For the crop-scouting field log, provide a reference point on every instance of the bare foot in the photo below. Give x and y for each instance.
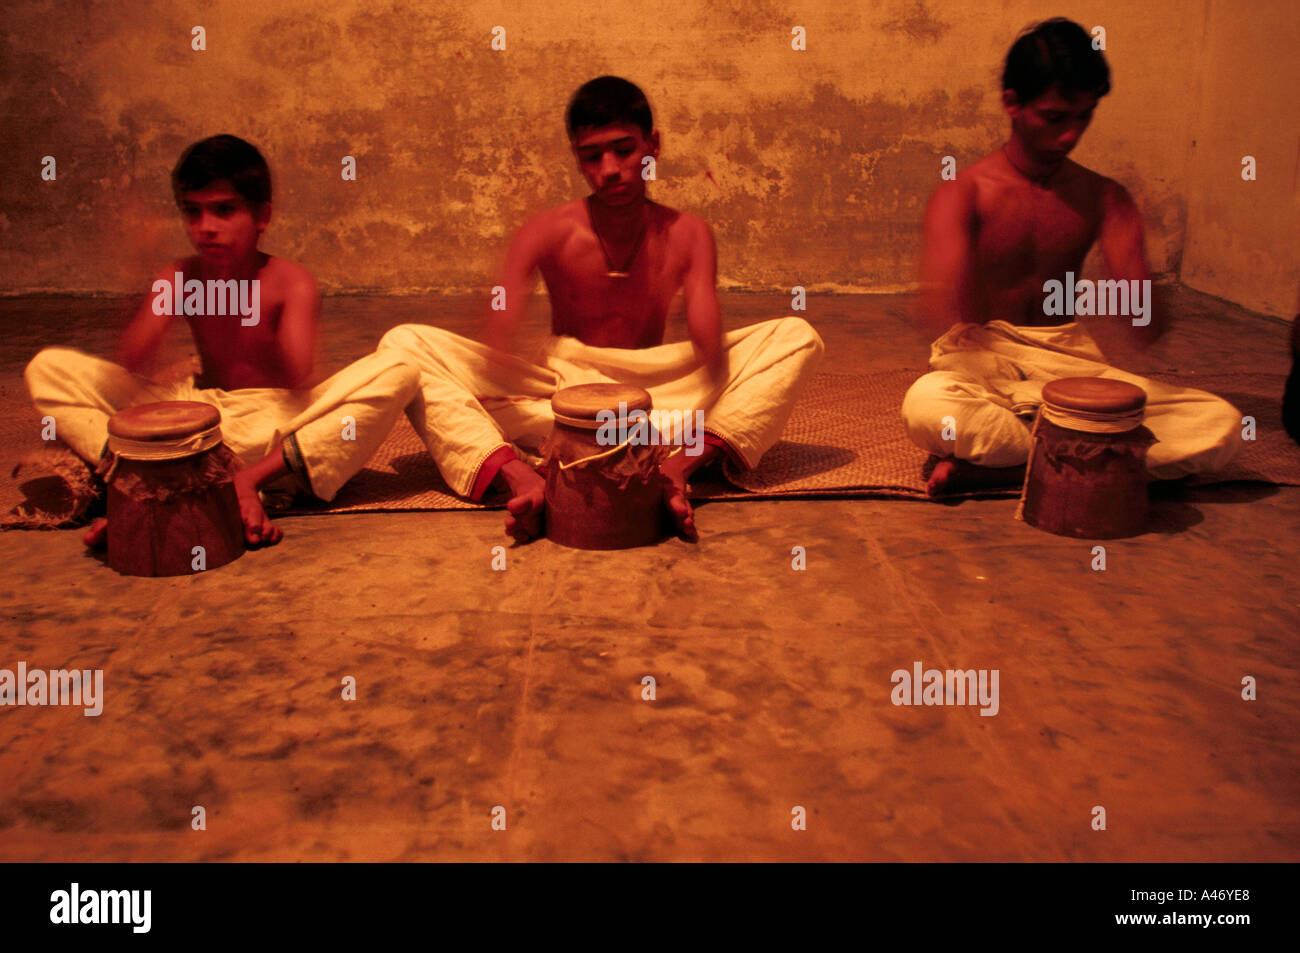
(527, 502)
(258, 529)
(97, 536)
(678, 504)
(676, 470)
(957, 476)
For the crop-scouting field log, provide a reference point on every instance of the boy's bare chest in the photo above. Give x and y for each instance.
(613, 293)
(1029, 229)
(225, 344)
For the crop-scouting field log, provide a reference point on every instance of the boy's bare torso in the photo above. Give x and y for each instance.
(604, 311)
(1023, 234)
(235, 355)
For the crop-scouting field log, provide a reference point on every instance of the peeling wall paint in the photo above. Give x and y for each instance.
(1243, 237)
(814, 167)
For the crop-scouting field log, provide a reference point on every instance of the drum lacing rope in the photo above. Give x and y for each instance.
(174, 448)
(583, 423)
(586, 423)
(606, 453)
(1092, 421)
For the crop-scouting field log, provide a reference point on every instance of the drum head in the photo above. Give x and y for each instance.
(585, 401)
(166, 420)
(1096, 395)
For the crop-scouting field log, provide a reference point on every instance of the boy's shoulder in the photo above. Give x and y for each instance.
(287, 276)
(989, 175)
(1094, 183)
(274, 271)
(549, 233)
(550, 221)
(990, 170)
(688, 222)
(187, 267)
(559, 221)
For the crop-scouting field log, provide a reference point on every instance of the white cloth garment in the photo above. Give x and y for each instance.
(474, 402)
(338, 424)
(989, 380)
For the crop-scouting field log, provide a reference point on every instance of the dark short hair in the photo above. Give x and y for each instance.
(223, 157)
(1056, 52)
(604, 101)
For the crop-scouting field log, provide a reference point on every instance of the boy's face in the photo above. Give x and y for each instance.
(1050, 126)
(222, 226)
(610, 159)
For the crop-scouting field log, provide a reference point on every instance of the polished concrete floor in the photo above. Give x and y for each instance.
(520, 692)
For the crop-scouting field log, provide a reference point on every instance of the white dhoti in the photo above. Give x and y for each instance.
(986, 382)
(337, 425)
(475, 404)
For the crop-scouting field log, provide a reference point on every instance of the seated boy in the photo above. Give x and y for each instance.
(995, 240)
(257, 350)
(612, 263)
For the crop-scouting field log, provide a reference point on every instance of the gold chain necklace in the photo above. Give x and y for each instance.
(611, 271)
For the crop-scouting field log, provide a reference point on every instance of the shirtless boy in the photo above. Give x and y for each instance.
(994, 238)
(613, 263)
(257, 362)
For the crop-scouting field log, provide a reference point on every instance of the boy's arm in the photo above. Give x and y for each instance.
(1123, 252)
(522, 260)
(299, 320)
(700, 289)
(140, 340)
(947, 288)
